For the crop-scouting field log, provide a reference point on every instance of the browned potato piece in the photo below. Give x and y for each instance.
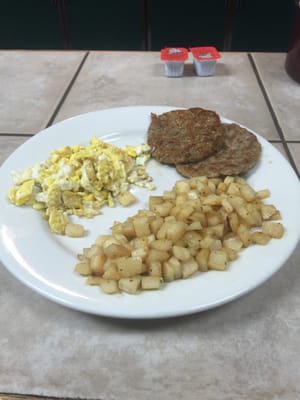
(109, 286)
(126, 199)
(83, 268)
(155, 269)
(202, 259)
(260, 238)
(141, 226)
(129, 266)
(74, 230)
(157, 255)
(97, 263)
(130, 285)
(217, 260)
(189, 267)
(94, 280)
(150, 282)
(112, 273)
(116, 250)
(274, 229)
(168, 272)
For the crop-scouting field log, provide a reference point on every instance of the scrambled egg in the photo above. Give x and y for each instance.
(80, 180)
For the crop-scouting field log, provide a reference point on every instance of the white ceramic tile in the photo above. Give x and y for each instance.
(110, 79)
(32, 84)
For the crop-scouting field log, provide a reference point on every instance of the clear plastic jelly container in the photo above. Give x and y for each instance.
(174, 58)
(205, 59)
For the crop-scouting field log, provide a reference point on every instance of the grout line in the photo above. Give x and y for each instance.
(40, 397)
(16, 134)
(67, 91)
(273, 115)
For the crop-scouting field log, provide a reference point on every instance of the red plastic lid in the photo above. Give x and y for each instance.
(205, 53)
(174, 54)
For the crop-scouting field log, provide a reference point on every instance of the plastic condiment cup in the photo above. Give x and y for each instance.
(205, 59)
(174, 58)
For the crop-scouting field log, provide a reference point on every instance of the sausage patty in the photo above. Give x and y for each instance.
(182, 136)
(240, 152)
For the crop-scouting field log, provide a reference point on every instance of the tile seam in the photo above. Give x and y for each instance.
(273, 114)
(67, 91)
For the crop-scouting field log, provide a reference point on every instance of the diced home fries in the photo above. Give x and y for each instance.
(200, 225)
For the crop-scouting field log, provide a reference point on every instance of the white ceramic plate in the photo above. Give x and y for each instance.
(45, 262)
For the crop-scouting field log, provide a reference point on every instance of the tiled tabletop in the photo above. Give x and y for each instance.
(247, 349)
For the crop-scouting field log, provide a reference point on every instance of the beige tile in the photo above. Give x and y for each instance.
(283, 92)
(32, 84)
(110, 79)
(8, 145)
(295, 151)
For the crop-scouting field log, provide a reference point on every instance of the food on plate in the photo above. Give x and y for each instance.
(240, 152)
(181, 136)
(201, 224)
(209, 147)
(79, 180)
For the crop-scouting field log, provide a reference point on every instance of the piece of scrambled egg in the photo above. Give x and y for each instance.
(80, 180)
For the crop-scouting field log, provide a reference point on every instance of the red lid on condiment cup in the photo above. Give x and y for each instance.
(174, 54)
(205, 53)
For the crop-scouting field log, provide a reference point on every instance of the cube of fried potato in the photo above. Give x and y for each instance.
(74, 230)
(267, 211)
(182, 186)
(151, 282)
(141, 226)
(130, 285)
(161, 244)
(233, 243)
(112, 273)
(233, 221)
(175, 264)
(184, 212)
(109, 286)
(260, 238)
(168, 272)
(175, 230)
(263, 194)
(212, 200)
(244, 234)
(83, 268)
(115, 250)
(155, 269)
(129, 266)
(126, 198)
(141, 252)
(97, 263)
(189, 267)
(231, 254)
(181, 253)
(157, 255)
(202, 259)
(126, 228)
(154, 200)
(94, 280)
(273, 229)
(248, 193)
(163, 209)
(156, 224)
(217, 260)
